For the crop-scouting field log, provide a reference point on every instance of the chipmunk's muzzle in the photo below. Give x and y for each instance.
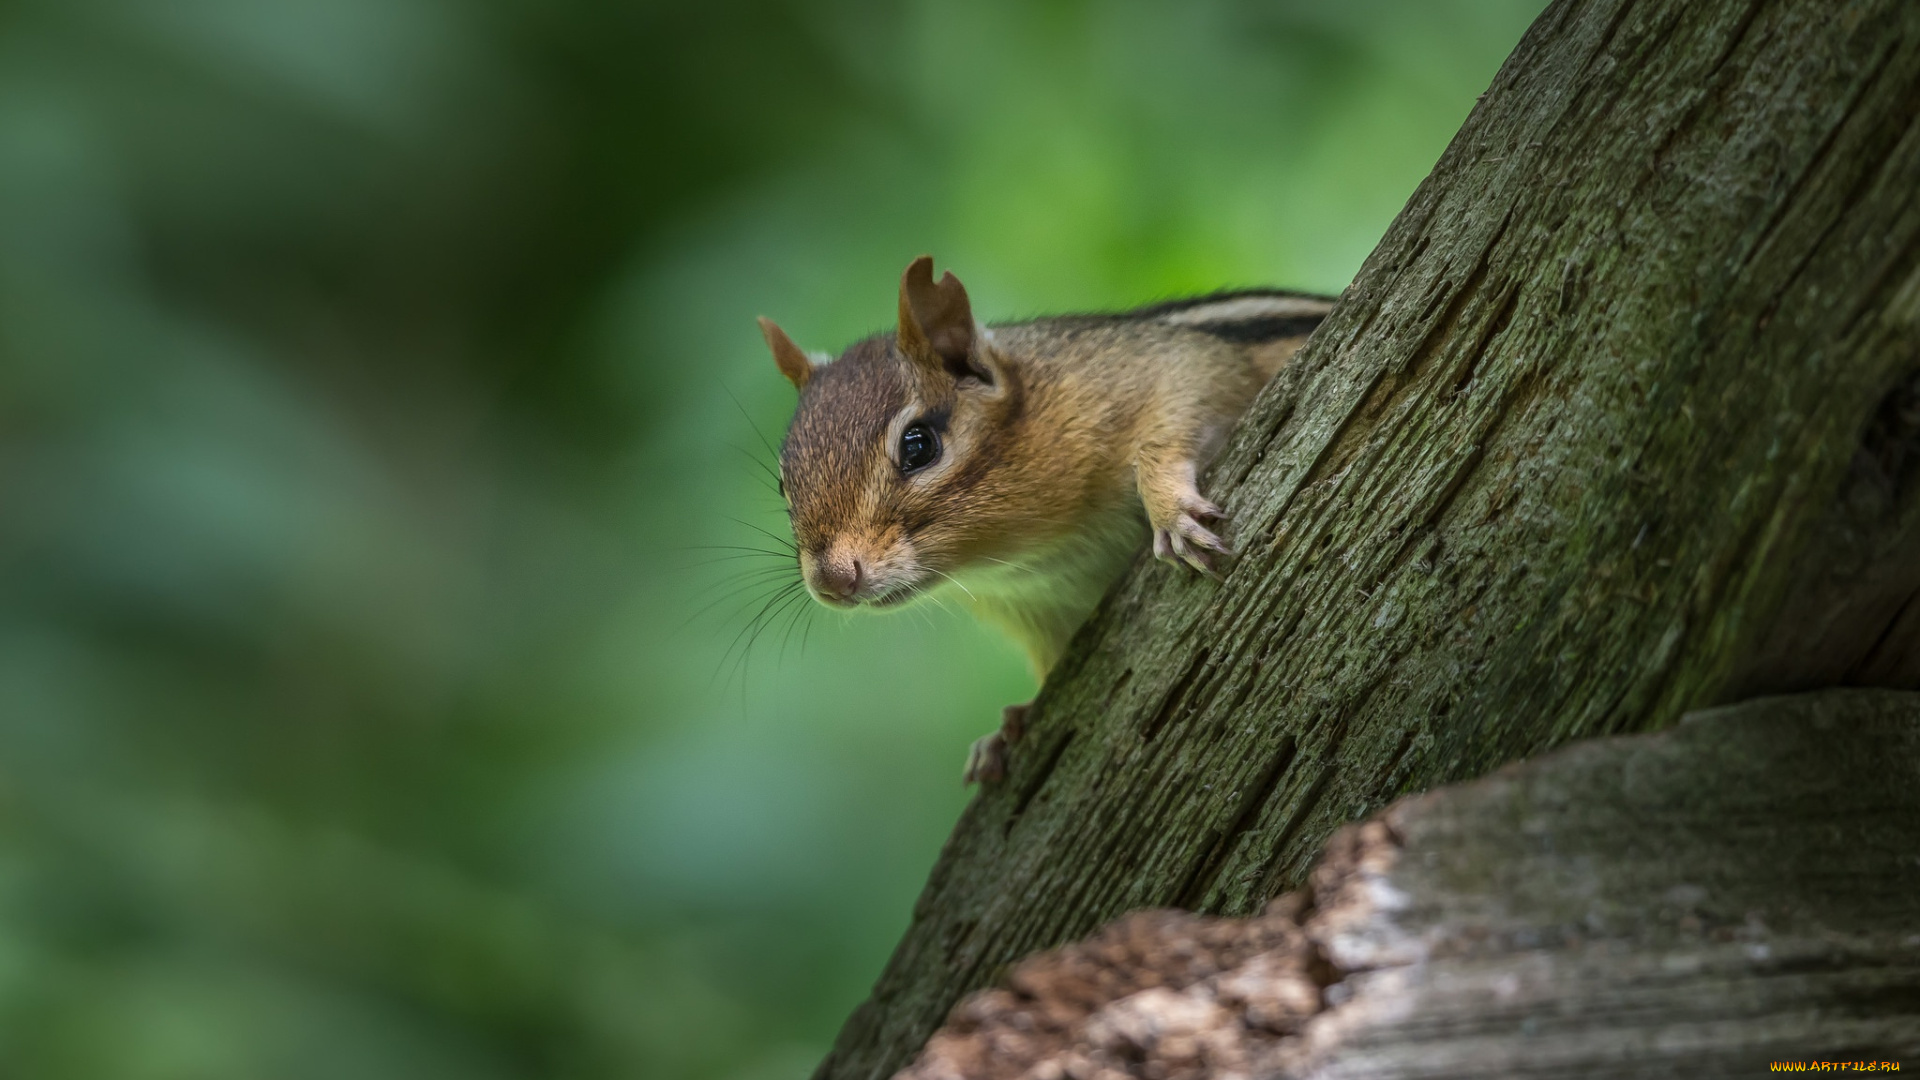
(845, 578)
(837, 583)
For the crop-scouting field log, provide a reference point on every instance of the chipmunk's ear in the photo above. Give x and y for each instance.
(793, 363)
(936, 321)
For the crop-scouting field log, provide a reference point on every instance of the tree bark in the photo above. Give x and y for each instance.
(1621, 419)
(1743, 888)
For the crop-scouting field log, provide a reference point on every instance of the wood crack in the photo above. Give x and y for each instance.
(1253, 801)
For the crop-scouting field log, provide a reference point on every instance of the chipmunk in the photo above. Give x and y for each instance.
(1023, 464)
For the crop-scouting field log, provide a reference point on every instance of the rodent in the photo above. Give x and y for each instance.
(1024, 464)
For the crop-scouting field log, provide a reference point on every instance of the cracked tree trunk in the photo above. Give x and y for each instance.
(1621, 419)
(1741, 889)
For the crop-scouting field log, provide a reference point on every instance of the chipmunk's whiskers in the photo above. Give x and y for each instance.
(1015, 565)
(957, 585)
(773, 536)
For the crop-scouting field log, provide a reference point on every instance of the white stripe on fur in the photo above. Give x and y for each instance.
(1247, 308)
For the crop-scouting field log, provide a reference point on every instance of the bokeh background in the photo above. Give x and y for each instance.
(380, 404)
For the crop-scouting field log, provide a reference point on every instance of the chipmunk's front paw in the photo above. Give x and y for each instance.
(987, 759)
(1176, 509)
(1182, 539)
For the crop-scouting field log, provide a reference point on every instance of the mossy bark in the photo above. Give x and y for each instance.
(1619, 420)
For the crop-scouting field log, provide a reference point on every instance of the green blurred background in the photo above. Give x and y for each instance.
(379, 393)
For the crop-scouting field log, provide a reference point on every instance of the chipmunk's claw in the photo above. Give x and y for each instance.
(1176, 509)
(1184, 541)
(987, 758)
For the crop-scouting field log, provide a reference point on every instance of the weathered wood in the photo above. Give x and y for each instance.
(1581, 449)
(1740, 890)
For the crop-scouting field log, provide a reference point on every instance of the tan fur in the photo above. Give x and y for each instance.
(1065, 444)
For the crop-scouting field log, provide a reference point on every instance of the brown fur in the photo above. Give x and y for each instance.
(1065, 443)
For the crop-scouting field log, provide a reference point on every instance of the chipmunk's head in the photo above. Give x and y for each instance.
(888, 465)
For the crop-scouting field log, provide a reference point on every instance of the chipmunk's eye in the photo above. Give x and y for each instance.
(919, 448)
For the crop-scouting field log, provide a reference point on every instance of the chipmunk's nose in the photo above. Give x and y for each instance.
(840, 580)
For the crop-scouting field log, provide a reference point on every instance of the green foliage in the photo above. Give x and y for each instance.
(378, 389)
